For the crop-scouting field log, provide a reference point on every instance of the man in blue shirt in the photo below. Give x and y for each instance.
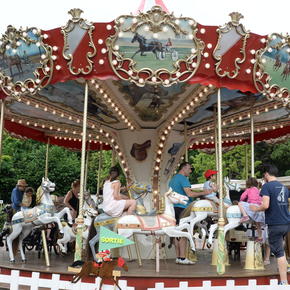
(17, 194)
(180, 184)
(275, 204)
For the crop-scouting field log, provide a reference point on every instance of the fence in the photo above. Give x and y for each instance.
(15, 281)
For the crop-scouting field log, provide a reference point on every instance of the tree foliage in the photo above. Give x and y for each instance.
(26, 159)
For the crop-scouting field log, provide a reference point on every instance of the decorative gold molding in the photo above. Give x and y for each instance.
(10, 43)
(80, 23)
(262, 79)
(233, 25)
(155, 21)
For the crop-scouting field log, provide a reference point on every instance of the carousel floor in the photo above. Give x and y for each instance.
(168, 268)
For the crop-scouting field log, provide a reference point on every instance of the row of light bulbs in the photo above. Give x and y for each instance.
(242, 132)
(179, 116)
(113, 105)
(232, 120)
(108, 136)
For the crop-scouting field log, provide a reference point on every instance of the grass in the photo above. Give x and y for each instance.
(150, 61)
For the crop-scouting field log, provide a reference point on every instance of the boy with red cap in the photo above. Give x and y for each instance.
(210, 176)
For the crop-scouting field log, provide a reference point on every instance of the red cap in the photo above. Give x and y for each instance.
(209, 173)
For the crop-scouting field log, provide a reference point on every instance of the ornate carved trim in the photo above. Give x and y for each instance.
(19, 51)
(277, 46)
(222, 31)
(160, 26)
(78, 23)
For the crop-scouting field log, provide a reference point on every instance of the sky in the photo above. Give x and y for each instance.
(260, 16)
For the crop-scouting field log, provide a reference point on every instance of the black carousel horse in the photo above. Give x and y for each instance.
(153, 46)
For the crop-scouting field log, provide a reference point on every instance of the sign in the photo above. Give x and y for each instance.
(110, 240)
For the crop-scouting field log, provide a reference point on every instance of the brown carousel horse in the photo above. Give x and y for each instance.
(277, 63)
(286, 71)
(103, 270)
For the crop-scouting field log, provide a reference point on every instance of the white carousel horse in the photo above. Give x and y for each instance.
(233, 215)
(69, 233)
(24, 221)
(157, 224)
(201, 209)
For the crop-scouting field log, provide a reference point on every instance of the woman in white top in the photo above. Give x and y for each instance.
(115, 203)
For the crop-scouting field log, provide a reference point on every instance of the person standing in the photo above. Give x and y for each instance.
(17, 194)
(275, 204)
(180, 184)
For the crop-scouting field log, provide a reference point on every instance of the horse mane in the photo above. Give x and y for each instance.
(186, 212)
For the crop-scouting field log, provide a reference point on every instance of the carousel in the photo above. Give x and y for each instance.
(150, 87)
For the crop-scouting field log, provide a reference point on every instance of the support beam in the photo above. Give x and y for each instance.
(99, 170)
(80, 219)
(2, 104)
(186, 141)
(252, 146)
(46, 158)
(43, 232)
(221, 220)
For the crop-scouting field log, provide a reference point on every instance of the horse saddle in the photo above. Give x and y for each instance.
(104, 219)
(29, 215)
(157, 222)
(139, 151)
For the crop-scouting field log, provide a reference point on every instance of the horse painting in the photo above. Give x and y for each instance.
(103, 270)
(153, 46)
(286, 71)
(277, 63)
(14, 60)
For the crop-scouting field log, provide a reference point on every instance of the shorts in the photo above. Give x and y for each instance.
(178, 212)
(276, 236)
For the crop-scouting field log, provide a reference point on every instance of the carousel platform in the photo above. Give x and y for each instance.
(145, 277)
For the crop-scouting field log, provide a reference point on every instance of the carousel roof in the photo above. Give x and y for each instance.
(172, 82)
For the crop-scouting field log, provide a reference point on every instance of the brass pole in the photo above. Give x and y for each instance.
(216, 144)
(1, 126)
(80, 219)
(247, 162)
(45, 248)
(46, 158)
(99, 170)
(86, 168)
(113, 158)
(252, 146)
(221, 221)
(186, 141)
(43, 233)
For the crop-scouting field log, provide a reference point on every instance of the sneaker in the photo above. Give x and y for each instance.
(177, 261)
(244, 219)
(186, 262)
(267, 262)
(282, 283)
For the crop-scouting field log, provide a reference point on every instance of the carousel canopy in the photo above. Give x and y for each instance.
(149, 71)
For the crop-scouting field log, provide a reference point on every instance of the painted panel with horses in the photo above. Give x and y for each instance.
(150, 102)
(21, 62)
(277, 62)
(156, 50)
(71, 94)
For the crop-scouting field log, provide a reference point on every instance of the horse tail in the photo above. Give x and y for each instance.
(15, 245)
(92, 233)
(186, 212)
